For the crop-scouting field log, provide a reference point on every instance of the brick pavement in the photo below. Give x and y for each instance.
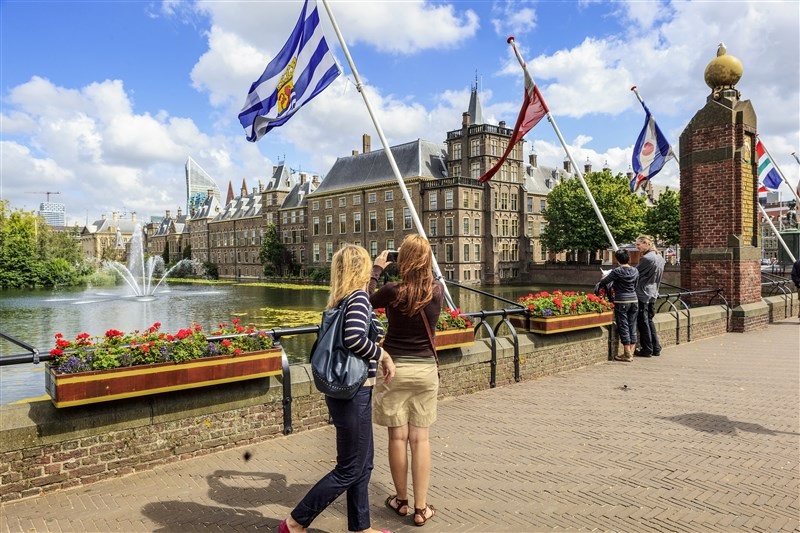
(704, 438)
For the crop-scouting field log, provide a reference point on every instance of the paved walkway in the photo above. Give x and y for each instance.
(704, 438)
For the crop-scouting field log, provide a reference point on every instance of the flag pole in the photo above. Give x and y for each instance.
(387, 149)
(641, 101)
(775, 231)
(572, 161)
(794, 154)
(794, 192)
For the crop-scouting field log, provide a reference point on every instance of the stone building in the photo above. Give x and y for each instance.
(197, 224)
(171, 234)
(235, 235)
(105, 238)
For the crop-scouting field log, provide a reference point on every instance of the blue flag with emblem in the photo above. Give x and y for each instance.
(650, 153)
(302, 69)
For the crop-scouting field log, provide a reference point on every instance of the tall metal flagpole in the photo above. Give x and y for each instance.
(572, 161)
(775, 231)
(386, 148)
(641, 101)
(794, 192)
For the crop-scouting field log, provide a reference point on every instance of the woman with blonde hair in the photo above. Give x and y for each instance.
(350, 274)
(407, 405)
(651, 268)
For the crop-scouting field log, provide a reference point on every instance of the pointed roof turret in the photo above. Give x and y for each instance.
(475, 113)
(230, 196)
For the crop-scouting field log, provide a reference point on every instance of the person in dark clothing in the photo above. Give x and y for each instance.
(407, 405)
(796, 277)
(623, 279)
(350, 272)
(651, 268)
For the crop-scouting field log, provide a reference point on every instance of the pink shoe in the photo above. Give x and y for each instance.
(283, 527)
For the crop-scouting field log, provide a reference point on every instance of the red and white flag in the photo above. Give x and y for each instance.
(533, 110)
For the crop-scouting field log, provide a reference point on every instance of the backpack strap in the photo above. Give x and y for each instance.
(430, 335)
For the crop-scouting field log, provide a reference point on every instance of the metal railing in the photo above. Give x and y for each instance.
(684, 309)
(773, 285)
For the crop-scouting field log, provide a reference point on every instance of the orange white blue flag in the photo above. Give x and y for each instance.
(302, 69)
(650, 153)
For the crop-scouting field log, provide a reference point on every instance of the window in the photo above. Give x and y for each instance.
(477, 227)
(357, 222)
(315, 206)
(372, 198)
(316, 252)
(457, 150)
(493, 147)
(544, 254)
(466, 226)
(475, 170)
(504, 172)
(342, 201)
(342, 223)
(455, 170)
(328, 224)
(466, 253)
(433, 227)
(373, 221)
(389, 219)
(373, 249)
(513, 201)
(433, 250)
(286, 240)
(406, 218)
(504, 252)
(315, 226)
(390, 244)
(529, 233)
(504, 201)
(475, 147)
(542, 205)
(515, 250)
(530, 204)
(329, 203)
(388, 196)
(448, 226)
(433, 201)
(329, 251)
(356, 199)
(465, 199)
(285, 217)
(515, 228)
(448, 199)
(448, 253)
(476, 200)
(294, 217)
(466, 275)
(514, 173)
(504, 226)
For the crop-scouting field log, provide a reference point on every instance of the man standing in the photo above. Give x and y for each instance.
(796, 277)
(651, 268)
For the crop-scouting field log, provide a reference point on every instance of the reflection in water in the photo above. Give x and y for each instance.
(36, 316)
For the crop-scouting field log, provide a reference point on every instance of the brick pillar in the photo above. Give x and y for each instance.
(719, 216)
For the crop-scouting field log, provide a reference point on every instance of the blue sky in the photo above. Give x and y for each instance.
(104, 101)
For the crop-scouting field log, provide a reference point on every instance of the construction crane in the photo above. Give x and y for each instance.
(48, 193)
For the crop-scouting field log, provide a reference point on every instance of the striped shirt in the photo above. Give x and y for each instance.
(359, 337)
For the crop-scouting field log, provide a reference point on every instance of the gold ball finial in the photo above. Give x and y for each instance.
(724, 71)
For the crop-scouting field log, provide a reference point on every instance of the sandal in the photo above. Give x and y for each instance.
(421, 514)
(400, 505)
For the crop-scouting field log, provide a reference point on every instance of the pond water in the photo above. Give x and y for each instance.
(35, 316)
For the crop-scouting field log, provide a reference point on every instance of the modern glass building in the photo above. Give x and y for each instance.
(54, 214)
(198, 183)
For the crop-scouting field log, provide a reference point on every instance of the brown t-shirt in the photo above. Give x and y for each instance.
(407, 336)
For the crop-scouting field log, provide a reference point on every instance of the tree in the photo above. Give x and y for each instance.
(572, 223)
(273, 252)
(18, 249)
(165, 254)
(663, 221)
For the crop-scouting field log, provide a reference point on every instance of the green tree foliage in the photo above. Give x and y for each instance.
(273, 252)
(572, 223)
(165, 254)
(663, 221)
(32, 254)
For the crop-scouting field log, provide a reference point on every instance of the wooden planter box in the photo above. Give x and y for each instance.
(559, 324)
(454, 338)
(67, 390)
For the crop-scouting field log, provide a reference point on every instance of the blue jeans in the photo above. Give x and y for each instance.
(625, 315)
(354, 456)
(648, 337)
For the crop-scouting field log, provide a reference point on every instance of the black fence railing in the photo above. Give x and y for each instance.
(774, 285)
(681, 303)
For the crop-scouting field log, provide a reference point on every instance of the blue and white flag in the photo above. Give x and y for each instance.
(300, 71)
(650, 153)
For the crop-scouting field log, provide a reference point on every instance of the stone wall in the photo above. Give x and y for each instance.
(44, 449)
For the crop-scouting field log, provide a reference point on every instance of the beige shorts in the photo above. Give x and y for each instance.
(410, 398)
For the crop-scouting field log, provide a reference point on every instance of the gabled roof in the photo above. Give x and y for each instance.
(246, 206)
(297, 196)
(208, 209)
(281, 179)
(126, 226)
(415, 159)
(541, 180)
(170, 225)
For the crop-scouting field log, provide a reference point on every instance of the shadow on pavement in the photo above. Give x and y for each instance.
(710, 423)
